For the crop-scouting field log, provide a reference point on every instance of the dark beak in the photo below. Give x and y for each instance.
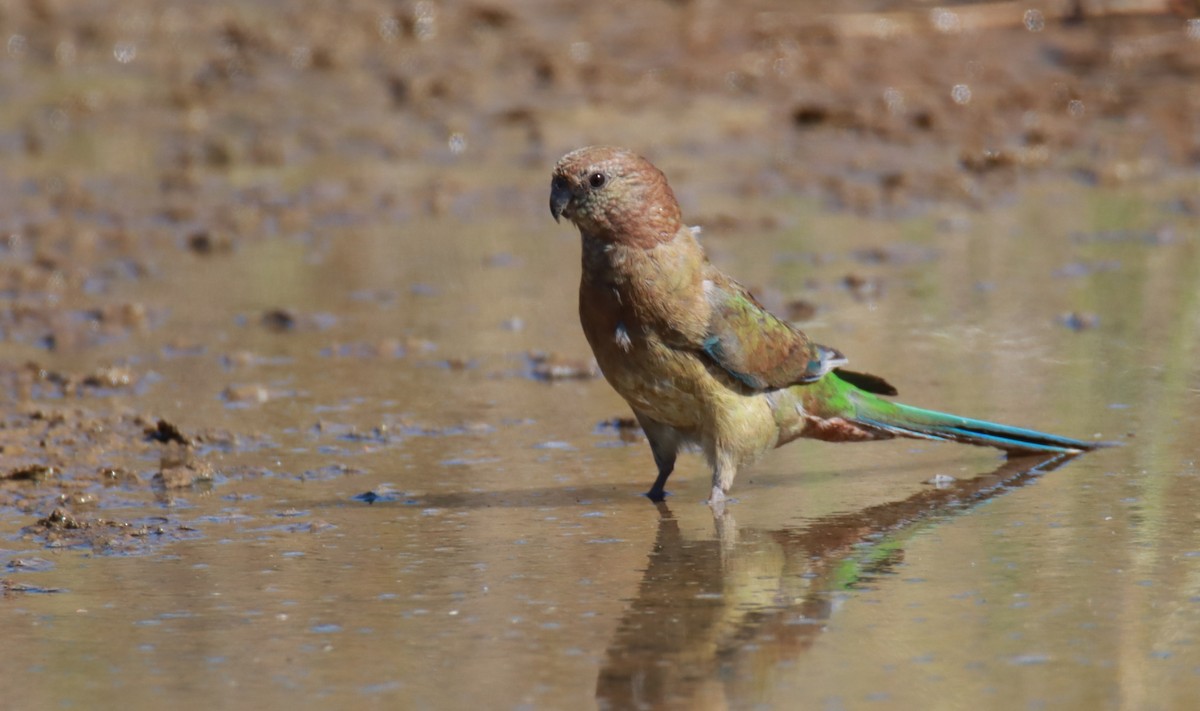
(560, 197)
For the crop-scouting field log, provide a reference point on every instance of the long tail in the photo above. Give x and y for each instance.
(834, 398)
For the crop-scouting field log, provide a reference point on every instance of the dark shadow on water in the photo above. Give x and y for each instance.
(714, 619)
(550, 496)
(581, 495)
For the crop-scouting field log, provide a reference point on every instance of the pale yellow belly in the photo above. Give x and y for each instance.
(669, 387)
(677, 389)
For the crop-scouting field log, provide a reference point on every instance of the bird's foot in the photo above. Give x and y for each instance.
(717, 500)
(656, 495)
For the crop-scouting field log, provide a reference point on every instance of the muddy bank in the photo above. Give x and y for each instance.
(868, 108)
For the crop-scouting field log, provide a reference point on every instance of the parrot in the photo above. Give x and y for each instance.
(699, 360)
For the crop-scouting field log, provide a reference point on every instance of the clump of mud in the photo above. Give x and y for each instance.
(68, 460)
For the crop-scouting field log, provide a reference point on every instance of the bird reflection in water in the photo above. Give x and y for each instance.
(705, 609)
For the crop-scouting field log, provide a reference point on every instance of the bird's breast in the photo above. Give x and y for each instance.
(663, 382)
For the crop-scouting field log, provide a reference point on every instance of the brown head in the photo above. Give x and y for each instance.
(614, 195)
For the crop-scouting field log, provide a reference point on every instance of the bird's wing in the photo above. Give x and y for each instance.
(759, 349)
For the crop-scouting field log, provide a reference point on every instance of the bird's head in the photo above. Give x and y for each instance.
(614, 195)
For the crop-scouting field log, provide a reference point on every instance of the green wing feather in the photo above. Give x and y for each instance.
(758, 348)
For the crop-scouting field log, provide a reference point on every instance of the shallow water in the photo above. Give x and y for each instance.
(508, 555)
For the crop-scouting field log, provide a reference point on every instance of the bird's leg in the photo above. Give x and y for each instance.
(664, 443)
(724, 469)
(716, 498)
(657, 492)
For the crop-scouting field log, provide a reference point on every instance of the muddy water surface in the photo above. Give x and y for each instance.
(297, 411)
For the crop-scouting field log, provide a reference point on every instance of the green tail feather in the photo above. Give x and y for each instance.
(863, 408)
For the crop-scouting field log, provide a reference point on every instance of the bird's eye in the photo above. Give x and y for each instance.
(596, 180)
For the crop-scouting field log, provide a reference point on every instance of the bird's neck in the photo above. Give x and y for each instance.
(600, 264)
(617, 263)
